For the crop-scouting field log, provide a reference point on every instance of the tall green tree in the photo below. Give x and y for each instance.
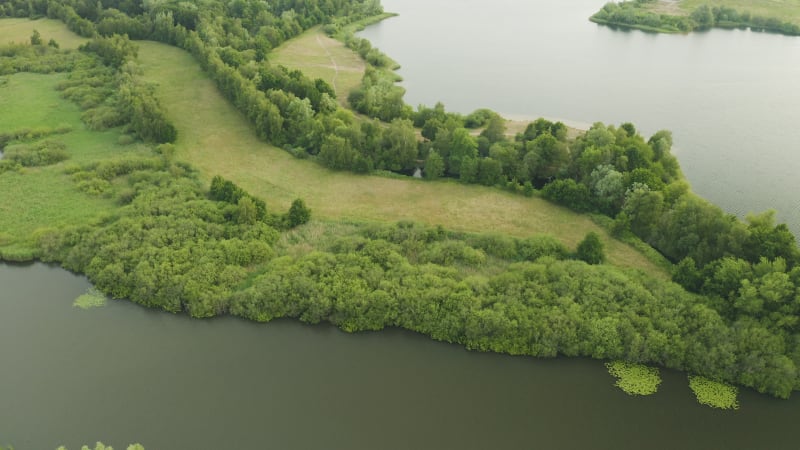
(462, 147)
(434, 165)
(590, 249)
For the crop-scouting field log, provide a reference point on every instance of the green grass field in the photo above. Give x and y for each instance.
(785, 10)
(218, 140)
(319, 56)
(20, 30)
(46, 197)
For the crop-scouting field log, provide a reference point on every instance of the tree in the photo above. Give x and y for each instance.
(36, 37)
(546, 157)
(703, 16)
(399, 146)
(569, 193)
(469, 170)
(462, 147)
(495, 130)
(687, 275)
(434, 166)
(644, 208)
(765, 239)
(490, 172)
(298, 213)
(246, 212)
(590, 249)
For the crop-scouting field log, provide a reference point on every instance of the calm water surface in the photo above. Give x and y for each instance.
(122, 374)
(730, 97)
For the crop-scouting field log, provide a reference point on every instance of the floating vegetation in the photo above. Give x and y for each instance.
(713, 393)
(91, 299)
(634, 379)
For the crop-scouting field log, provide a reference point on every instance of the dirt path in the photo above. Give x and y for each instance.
(333, 62)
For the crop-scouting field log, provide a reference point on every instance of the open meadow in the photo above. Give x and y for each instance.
(319, 56)
(785, 10)
(19, 31)
(38, 197)
(217, 139)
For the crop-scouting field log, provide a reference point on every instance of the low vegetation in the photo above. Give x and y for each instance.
(101, 446)
(91, 299)
(317, 55)
(214, 235)
(714, 393)
(634, 379)
(652, 15)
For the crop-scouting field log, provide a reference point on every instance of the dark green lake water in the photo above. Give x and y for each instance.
(730, 97)
(123, 374)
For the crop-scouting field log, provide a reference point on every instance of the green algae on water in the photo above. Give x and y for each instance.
(91, 299)
(714, 393)
(634, 379)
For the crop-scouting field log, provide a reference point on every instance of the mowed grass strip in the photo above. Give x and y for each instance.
(785, 10)
(214, 137)
(20, 30)
(319, 56)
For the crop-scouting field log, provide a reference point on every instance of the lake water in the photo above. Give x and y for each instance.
(730, 97)
(122, 373)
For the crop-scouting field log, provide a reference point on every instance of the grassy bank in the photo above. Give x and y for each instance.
(319, 56)
(216, 138)
(20, 30)
(36, 198)
(785, 10)
(665, 16)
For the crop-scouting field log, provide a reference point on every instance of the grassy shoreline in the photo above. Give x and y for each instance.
(218, 140)
(673, 17)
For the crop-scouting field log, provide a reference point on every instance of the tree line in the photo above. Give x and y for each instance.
(636, 14)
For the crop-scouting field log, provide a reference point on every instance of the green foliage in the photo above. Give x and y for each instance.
(434, 166)
(714, 393)
(590, 249)
(113, 51)
(91, 299)
(634, 379)
(380, 97)
(299, 213)
(568, 193)
(101, 446)
(171, 247)
(638, 14)
(43, 153)
(36, 38)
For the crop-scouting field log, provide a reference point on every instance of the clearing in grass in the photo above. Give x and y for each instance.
(319, 56)
(19, 31)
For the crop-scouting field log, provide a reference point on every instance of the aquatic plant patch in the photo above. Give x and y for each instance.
(634, 379)
(713, 393)
(91, 299)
